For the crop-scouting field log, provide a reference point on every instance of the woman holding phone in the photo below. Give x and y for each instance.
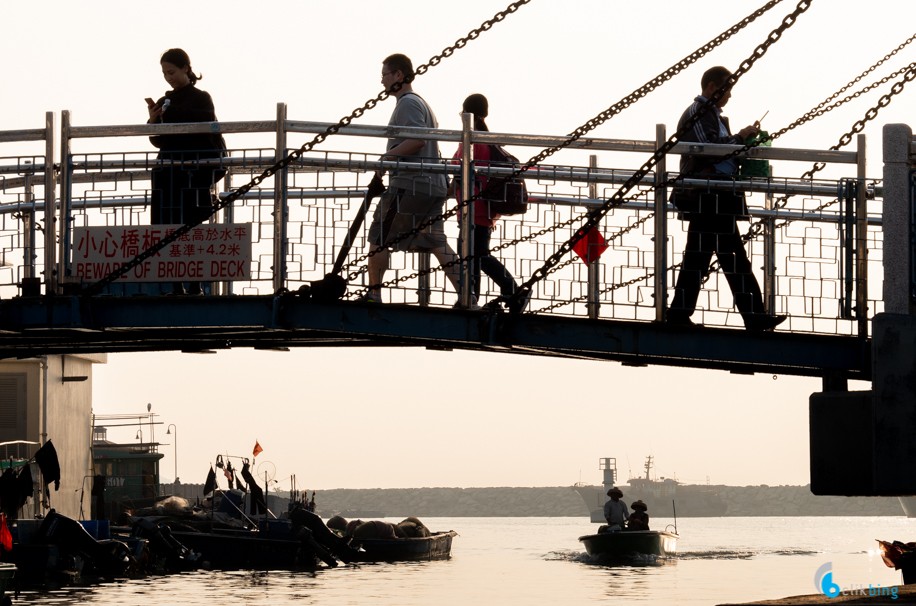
(181, 188)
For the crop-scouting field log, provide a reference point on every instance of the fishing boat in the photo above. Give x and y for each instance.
(227, 539)
(60, 551)
(437, 546)
(627, 544)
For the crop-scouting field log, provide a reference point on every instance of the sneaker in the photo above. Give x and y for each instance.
(472, 307)
(761, 322)
(369, 297)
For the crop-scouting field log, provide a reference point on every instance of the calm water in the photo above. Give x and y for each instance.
(533, 561)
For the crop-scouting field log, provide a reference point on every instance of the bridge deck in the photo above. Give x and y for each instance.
(47, 325)
(817, 245)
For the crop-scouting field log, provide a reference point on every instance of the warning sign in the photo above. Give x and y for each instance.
(207, 253)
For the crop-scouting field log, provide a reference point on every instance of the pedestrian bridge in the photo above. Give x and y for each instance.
(73, 211)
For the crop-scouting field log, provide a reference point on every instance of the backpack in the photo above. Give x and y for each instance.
(506, 195)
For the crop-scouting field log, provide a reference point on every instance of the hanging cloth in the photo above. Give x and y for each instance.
(46, 457)
(210, 484)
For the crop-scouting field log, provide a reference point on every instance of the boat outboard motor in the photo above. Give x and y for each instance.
(164, 544)
(108, 557)
(323, 535)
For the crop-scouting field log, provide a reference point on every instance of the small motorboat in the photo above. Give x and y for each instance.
(628, 544)
(437, 546)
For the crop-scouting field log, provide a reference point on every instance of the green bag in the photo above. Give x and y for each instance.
(752, 167)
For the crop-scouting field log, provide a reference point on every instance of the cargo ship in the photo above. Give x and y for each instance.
(664, 497)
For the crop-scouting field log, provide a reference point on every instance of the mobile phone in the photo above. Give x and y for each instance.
(150, 102)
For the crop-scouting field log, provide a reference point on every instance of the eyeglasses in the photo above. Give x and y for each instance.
(388, 73)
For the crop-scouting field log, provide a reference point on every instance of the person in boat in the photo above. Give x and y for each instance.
(181, 191)
(412, 196)
(639, 519)
(616, 512)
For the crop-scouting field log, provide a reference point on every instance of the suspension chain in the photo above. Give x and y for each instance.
(757, 227)
(617, 199)
(577, 134)
(296, 154)
(909, 73)
(855, 80)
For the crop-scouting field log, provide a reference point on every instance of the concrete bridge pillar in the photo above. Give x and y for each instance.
(864, 443)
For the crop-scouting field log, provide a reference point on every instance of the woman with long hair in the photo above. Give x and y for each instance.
(181, 187)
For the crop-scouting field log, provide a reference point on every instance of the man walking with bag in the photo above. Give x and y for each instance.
(712, 215)
(413, 196)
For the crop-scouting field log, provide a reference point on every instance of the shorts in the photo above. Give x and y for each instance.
(399, 212)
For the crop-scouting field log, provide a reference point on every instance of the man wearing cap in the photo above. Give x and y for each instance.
(615, 510)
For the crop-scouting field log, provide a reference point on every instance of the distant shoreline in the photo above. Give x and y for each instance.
(563, 501)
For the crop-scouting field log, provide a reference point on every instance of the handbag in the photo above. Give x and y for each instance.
(505, 195)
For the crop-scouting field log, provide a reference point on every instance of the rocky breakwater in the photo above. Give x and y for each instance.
(564, 501)
(798, 501)
(454, 502)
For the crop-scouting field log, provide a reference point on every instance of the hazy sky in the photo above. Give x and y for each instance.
(404, 418)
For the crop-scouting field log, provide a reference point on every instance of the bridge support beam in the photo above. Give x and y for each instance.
(862, 443)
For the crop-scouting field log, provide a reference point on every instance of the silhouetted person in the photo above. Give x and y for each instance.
(712, 215)
(484, 219)
(639, 519)
(181, 190)
(413, 196)
(615, 510)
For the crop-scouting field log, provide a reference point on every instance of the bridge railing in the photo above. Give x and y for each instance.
(813, 254)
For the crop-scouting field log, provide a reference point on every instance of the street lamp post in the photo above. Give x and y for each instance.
(168, 432)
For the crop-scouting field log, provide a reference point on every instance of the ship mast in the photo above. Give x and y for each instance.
(608, 465)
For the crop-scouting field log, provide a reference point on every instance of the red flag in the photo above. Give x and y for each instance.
(257, 449)
(591, 246)
(6, 539)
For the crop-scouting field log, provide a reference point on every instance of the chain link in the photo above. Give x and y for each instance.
(865, 73)
(595, 216)
(578, 133)
(909, 73)
(758, 227)
(296, 154)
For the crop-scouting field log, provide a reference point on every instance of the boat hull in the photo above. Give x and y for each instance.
(7, 572)
(437, 546)
(235, 550)
(630, 543)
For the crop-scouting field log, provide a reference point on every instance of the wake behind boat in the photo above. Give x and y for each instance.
(630, 544)
(627, 535)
